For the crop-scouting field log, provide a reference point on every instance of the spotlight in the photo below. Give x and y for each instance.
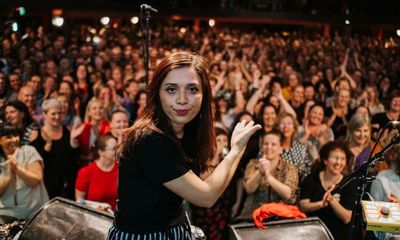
(211, 22)
(182, 30)
(105, 20)
(134, 20)
(398, 32)
(347, 21)
(57, 21)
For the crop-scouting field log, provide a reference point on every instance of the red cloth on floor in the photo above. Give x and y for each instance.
(275, 209)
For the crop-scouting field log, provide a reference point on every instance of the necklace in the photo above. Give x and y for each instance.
(329, 183)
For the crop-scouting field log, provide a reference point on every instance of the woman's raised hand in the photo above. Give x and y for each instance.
(242, 133)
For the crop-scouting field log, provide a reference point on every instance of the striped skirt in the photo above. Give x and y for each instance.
(179, 232)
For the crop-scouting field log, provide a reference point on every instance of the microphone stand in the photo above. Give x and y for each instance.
(145, 38)
(361, 174)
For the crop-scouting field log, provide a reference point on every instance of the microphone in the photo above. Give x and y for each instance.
(394, 124)
(148, 7)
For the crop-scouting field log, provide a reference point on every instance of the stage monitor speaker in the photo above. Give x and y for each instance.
(299, 229)
(64, 219)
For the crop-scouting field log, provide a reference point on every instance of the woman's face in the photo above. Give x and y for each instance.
(109, 151)
(13, 115)
(65, 89)
(96, 111)
(53, 117)
(105, 94)
(269, 116)
(81, 72)
(336, 162)
(142, 100)
(343, 98)
(316, 115)
(119, 121)
(9, 143)
(371, 95)
(271, 147)
(286, 127)
(222, 141)
(116, 75)
(64, 104)
(395, 104)
(181, 96)
(361, 136)
(274, 101)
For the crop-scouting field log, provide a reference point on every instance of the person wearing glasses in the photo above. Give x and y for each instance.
(98, 181)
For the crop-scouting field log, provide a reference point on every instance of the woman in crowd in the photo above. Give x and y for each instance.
(138, 105)
(17, 114)
(69, 116)
(340, 113)
(22, 191)
(84, 90)
(119, 122)
(109, 100)
(370, 98)
(360, 143)
(214, 221)
(386, 187)
(294, 151)
(98, 181)
(85, 134)
(316, 198)
(172, 133)
(53, 144)
(314, 132)
(267, 117)
(269, 178)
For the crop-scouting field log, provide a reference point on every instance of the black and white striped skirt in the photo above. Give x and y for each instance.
(179, 232)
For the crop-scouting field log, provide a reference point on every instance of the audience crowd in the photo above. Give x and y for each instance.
(321, 100)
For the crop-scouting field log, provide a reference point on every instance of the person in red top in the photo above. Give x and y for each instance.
(98, 181)
(85, 134)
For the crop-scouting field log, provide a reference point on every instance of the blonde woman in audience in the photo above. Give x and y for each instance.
(85, 135)
(53, 144)
(294, 151)
(360, 143)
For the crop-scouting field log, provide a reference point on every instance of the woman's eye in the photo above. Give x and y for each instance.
(171, 90)
(193, 89)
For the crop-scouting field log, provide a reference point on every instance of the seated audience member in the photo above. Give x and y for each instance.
(60, 159)
(98, 181)
(17, 114)
(315, 192)
(269, 179)
(386, 187)
(22, 191)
